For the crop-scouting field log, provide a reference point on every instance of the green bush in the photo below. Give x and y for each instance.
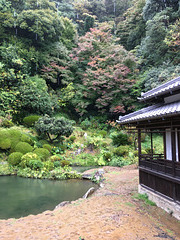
(136, 152)
(121, 150)
(26, 138)
(118, 162)
(86, 124)
(4, 133)
(94, 142)
(42, 153)
(15, 136)
(15, 158)
(84, 159)
(15, 133)
(48, 147)
(27, 158)
(119, 139)
(31, 120)
(55, 158)
(7, 123)
(103, 133)
(30, 156)
(35, 164)
(107, 156)
(23, 147)
(49, 165)
(42, 142)
(72, 138)
(57, 164)
(5, 144)
(65, 163)
(50, 126)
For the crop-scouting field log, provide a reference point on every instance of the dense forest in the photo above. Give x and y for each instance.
(68, 69)
(84, 57)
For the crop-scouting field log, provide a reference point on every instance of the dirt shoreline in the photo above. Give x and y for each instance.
(111, 213)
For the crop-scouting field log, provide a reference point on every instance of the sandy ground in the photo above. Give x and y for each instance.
(112, 213)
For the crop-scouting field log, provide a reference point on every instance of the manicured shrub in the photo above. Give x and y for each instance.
(65, 163)
(15, 133)
(48, 147)
(15, 136)
(49, 165)
(50, 126)
(55, 158)
(4, 133)
(35, 164)
(23, 147)
(31, 120)
(15, 158)
(30, 156)
(120, 139)
(5, 144)
(121, 150)
(26, 138)
(42, 153)
(27, 158)
(43, 141)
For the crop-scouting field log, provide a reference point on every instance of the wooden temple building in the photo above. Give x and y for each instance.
(159, 173)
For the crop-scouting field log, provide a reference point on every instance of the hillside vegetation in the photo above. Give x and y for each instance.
(79, 63)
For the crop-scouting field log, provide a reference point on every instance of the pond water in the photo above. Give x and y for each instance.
(20, 197)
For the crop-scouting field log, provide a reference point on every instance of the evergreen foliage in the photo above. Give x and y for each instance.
(54, 126)
(83, 57)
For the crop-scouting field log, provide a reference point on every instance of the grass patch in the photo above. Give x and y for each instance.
(144, 197)
(129, 204)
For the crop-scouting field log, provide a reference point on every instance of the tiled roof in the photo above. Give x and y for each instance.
(162, 89)
(152, 112)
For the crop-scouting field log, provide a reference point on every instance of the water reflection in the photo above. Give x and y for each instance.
(24, 196)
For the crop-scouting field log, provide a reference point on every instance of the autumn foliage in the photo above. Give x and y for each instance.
(105, 75)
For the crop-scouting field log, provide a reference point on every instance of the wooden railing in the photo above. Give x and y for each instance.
(157, 163)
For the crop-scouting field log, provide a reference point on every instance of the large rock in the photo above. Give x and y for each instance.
(62, 204)
(89, 192)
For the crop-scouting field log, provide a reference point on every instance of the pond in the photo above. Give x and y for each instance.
(20, 197)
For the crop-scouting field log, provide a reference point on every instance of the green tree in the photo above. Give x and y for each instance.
(131, 29)
(152, 7)
(104, 73)
(54, 128)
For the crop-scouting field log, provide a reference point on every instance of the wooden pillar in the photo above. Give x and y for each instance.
(173, 142)
(164, 143)
(152, 144)
(139, 145)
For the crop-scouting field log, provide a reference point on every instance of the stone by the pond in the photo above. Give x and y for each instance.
(89, 192)
(62, 204)
(87, 176)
